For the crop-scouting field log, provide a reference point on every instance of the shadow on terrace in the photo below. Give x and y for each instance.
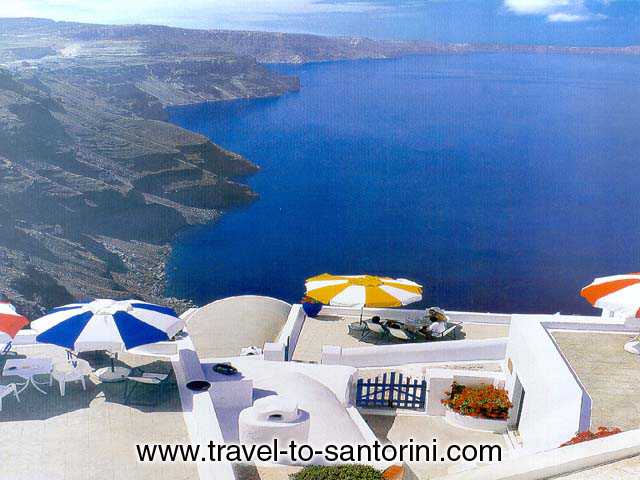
(34, 405)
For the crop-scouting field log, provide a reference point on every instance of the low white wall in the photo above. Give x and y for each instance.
(441, 379)
(339, 379)
(224, 327)
(404, 313)
(390, 355)
(291, 331)
(561, 461)
(159, 349)
(202, 422)
(556, 405)
(25, 337)
(274, 352)
(475, 423)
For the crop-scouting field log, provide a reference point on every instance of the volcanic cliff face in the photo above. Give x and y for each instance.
(90, 194)
(94, 182)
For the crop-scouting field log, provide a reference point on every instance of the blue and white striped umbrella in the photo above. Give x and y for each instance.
(107, 325)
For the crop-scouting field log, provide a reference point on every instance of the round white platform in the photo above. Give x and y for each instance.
(107, 375)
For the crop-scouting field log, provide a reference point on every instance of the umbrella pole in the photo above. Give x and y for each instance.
(113, 366)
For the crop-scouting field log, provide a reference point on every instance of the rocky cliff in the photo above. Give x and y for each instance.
(91, 194)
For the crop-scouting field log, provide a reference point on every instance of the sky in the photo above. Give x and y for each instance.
(556, 22)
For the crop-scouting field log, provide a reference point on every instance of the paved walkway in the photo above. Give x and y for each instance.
(423, 429)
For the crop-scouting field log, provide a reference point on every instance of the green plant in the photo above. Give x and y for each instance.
(338, 472)
(485, 401)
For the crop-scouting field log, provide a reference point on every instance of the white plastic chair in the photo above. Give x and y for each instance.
(451, 328)
(376, 328)
(70, 371)
(400, 334)
(8, 390)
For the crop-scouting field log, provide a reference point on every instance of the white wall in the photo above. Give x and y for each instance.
(291, 331)
(390, 355)
(25, 337)
(201, 420)
(562, 461)
(337, 378)
(556, 406)
(403, 313)
(224, 327)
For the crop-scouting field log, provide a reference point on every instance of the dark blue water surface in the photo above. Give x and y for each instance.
(501, 182)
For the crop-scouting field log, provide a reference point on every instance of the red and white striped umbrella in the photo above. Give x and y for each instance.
(617, 293)
(10, 321)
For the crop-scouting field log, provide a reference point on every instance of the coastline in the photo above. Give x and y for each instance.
(96, 182)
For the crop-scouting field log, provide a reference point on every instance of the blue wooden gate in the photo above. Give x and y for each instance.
(391, 391)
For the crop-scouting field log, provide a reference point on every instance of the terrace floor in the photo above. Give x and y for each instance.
(89, 435)
(326, 330)
(608, 373)
(423, 429)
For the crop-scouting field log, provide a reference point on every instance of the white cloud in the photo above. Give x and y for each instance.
(567, 17)
(538, 7)
(554, 10)
(172, 12)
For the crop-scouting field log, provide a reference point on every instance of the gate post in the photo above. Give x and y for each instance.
(423, 395)
(359, 392)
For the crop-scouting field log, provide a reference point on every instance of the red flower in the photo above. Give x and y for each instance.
(589, 435)
(485, 401)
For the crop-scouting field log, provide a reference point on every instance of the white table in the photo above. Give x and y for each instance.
(28, 368)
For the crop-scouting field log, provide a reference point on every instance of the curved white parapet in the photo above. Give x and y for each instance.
(159, 349)
(274, 417)
(224, 327)
(475, 423)
(331, 423)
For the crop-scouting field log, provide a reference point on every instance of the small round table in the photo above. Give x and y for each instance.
(27, 369)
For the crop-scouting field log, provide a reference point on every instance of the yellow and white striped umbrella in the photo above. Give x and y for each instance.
(363, 290)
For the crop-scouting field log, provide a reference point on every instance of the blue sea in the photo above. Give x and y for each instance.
(501, 182)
